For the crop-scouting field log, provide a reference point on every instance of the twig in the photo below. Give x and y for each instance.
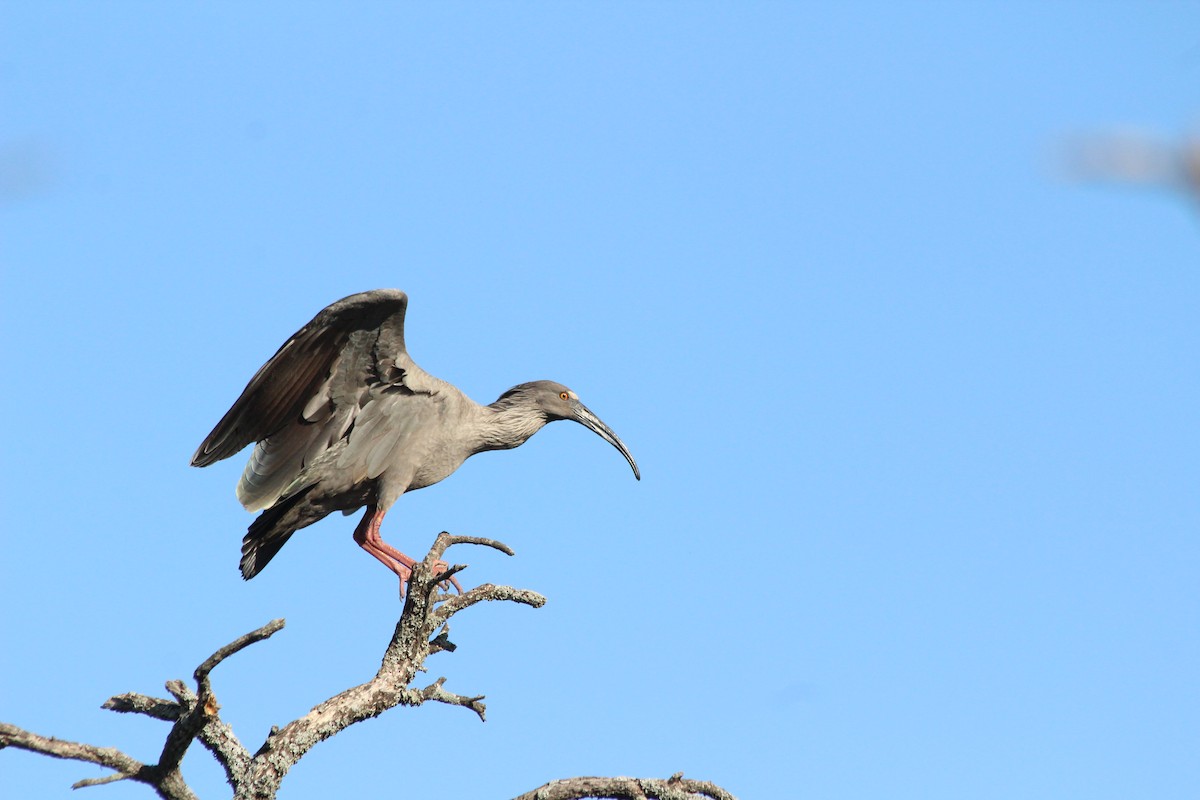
(452, 604)
(446, 540)
(240, 643)
(116, 776)
(434, 691)
(134, 703)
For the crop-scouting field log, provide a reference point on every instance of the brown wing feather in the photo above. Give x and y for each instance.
(280, 390)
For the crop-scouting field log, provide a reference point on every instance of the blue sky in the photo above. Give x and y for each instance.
(916, 417)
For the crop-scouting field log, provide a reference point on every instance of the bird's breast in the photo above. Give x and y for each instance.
(438, 464)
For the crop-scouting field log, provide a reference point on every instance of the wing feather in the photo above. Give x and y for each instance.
(296, 382)
(274, 463)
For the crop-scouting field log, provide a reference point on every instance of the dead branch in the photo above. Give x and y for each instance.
(421, 631)
(215, 735)
(196, 714)
(415, 638)
(674, 788)
(193, 715)
(125, 766)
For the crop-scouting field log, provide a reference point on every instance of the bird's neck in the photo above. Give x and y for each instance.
(508, 426)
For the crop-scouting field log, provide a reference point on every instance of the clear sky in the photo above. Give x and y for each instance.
(916, 417)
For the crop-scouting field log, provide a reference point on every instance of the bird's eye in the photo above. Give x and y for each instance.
(564, 395)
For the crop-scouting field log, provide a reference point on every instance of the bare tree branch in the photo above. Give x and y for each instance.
(446, 540)
(12, 736)
(434, 691)
(414, 639)
(216, 735)
(200, 709)
(487, 592)
(193, 716)
(125, 767)
(422, 630)
(116, 776)
(134, 703)
(674, 788)
(242, 642)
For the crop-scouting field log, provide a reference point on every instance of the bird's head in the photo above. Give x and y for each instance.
(556, 402)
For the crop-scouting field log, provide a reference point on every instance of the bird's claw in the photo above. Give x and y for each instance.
(439, 568)
(442, 568)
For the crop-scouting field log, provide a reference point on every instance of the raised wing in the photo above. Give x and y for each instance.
(323, 365)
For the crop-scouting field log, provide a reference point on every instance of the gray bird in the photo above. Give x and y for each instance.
(342, 418)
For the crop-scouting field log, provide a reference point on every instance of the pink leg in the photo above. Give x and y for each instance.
(368, 538)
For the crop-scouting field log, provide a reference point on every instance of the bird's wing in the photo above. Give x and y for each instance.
(393, 432)
(375, 403)
(323, 366)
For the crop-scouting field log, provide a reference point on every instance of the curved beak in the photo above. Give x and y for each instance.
(585, 417)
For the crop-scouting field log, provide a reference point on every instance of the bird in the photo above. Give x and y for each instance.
(342, 418)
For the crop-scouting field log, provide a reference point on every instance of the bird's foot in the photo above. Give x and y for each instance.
(439, 568)
(368, 538)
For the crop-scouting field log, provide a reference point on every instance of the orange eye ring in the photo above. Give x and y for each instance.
(564, 396)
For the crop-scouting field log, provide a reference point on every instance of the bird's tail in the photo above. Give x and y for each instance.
(271, 530)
